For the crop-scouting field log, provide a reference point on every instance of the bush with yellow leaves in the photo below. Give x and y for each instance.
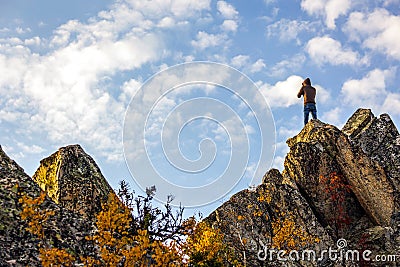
(130, 232)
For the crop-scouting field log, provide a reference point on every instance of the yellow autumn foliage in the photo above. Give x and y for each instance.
(286, 235)
(119, 245)
(205, 247)
(34, 214)
(54, 257)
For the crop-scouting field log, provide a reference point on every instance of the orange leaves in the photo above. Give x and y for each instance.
(55, 257)
(118, 244)
(34, 214)
(289, 236)
(37, 218)
(124, 240)
(205, 245)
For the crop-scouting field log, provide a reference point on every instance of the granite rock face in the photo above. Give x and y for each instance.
(379, 139)
(337, 185)
(65, 229)
(72, 179)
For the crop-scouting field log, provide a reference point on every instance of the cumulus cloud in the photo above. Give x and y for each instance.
(64, 95)
(205, 40)
(284, 93)
(329, 9)
(369, 91)
(328, 50)
(391, 104)
(227, 10)
(244, 62)
(230, 15)
(229, 26)
(377, 30)
(333, 116)
(240, 61)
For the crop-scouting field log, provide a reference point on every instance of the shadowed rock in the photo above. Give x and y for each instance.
(379, 139)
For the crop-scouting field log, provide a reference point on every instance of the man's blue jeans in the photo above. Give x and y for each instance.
(309, 107)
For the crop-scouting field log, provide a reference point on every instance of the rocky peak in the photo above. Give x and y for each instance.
(18, 247)
(72, 179)
(379, 139)
(321, 149)
(335, 184)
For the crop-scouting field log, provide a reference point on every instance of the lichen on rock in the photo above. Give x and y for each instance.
(72, 179)
(46, 176)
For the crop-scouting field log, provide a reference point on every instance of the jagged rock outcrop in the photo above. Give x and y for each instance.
(65, 229)
(379, 139)
(336, 184)
(251, 219)
(320, 149)
(72, 179)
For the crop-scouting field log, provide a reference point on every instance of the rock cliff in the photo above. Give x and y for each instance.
(72, 179)
(339, 190)
(66, 229)
(336, 185)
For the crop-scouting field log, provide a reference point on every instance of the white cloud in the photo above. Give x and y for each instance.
(334, 9)
(35, 41)
(369, 91)
(286, 66)
(30, 149)
(327, 50)
(288, 30)
(333, 116)
(63, 95)
(157, 9)
(129, 89)
(227, 10)
(243, 62)
(229, 26)
(167, 22)
(330, 9)
(257, 66)
(240, 61)
(284, 93)
(20, 30)
(391, 104)
(4, 30)
(377, 30)
(205, 40)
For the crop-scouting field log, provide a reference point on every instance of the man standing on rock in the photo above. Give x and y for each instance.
(308, 92)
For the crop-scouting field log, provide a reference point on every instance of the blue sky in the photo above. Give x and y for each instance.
(70, 69)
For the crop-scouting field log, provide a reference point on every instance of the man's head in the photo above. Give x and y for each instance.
(306, 82)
